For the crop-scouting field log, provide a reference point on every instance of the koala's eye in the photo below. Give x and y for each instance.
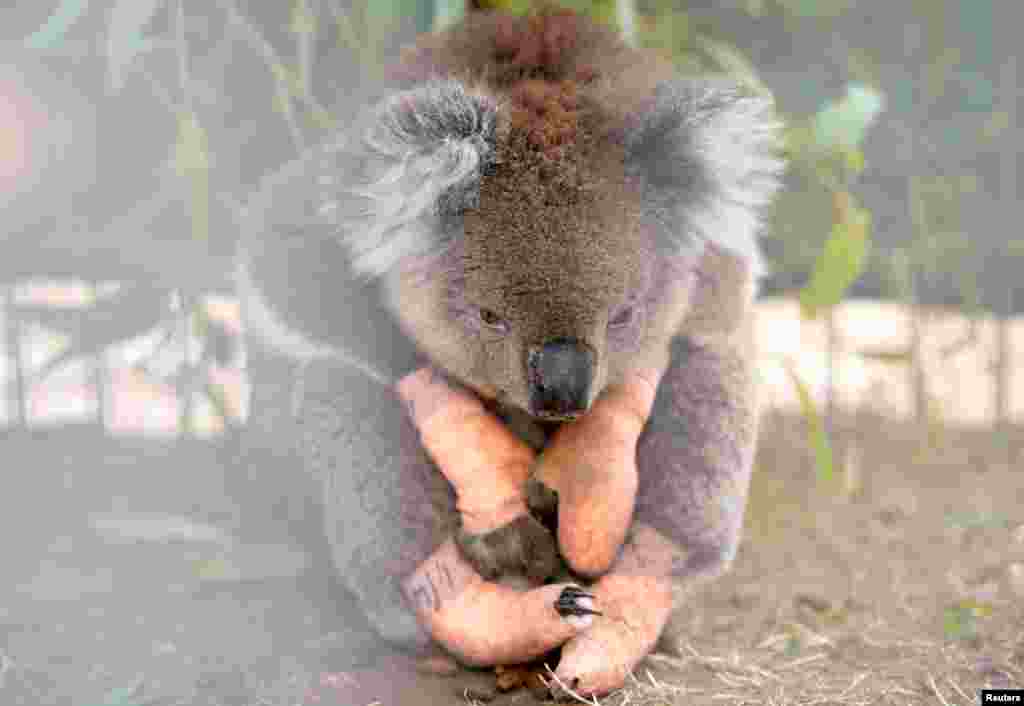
(492, 320)
(622, 317)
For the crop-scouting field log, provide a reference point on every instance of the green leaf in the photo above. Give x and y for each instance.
(816, 436)
(121, 696)
(841, 262)
(125, 38)
(57, 24)
(389, 12)
(843, 123)
(854, 159)
(815, 8)
(1015, 247)
(754, 8)
(191, 153)
(995, 125)
(960, 621)
(191, 160)
(303, 21)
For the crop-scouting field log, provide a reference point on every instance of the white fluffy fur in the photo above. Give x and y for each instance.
(738, 144)
(414, 147)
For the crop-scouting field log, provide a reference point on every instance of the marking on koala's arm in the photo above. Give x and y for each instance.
(439, 580)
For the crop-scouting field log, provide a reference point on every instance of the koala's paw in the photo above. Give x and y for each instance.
(523, 546)
(598, 660)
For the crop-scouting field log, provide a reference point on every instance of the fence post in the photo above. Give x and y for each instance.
(1008, 196)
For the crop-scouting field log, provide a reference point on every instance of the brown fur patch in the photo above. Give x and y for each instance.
(568, 60)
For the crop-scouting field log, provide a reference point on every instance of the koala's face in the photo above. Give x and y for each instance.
(536, 246)
(551, 284)
(542, 303)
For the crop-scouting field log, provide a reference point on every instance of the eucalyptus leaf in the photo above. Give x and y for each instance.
(191, 152)
(125, 38)
(840, 264)
(843, 123)
(303, 21)
(191, 160)
(122, 696)
(57, 25)
(816, 435)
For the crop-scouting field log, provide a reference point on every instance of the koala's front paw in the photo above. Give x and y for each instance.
(522, 546)
(634, 609)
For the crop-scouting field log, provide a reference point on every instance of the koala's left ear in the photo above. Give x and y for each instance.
(408, 165)
(708, 154)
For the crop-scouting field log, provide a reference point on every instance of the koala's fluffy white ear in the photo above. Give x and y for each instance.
(709, 154)
(393, 183)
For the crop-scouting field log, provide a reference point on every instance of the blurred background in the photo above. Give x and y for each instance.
(132, 133)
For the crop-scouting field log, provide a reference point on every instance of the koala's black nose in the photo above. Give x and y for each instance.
(560, 373)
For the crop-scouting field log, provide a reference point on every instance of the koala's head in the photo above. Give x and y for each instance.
(538, 239)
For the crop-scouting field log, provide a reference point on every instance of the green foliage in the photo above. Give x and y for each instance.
(960, 620)
(842, 260)
(815, 8)
(696, 47)
(192, 162)
(816, 435)
(122, 696)
(447, 12)
(57, 25)
(366, 26)
(843, 123)
(504, 5)
(303, 20)
(387, 11)
(125, 38)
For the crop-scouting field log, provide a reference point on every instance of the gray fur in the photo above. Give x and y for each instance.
(711, 153)
(411, 164)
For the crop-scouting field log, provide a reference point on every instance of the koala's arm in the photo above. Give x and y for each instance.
(696, 454)
(694, 460)
(389, 519)
(488, 467)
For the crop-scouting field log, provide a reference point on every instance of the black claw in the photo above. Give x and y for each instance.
(568, 602)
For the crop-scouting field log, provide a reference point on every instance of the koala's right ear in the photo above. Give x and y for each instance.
(393, 184)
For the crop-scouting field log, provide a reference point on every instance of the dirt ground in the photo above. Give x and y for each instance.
(901, 581)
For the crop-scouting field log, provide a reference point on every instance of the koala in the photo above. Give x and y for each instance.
(534, 209)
